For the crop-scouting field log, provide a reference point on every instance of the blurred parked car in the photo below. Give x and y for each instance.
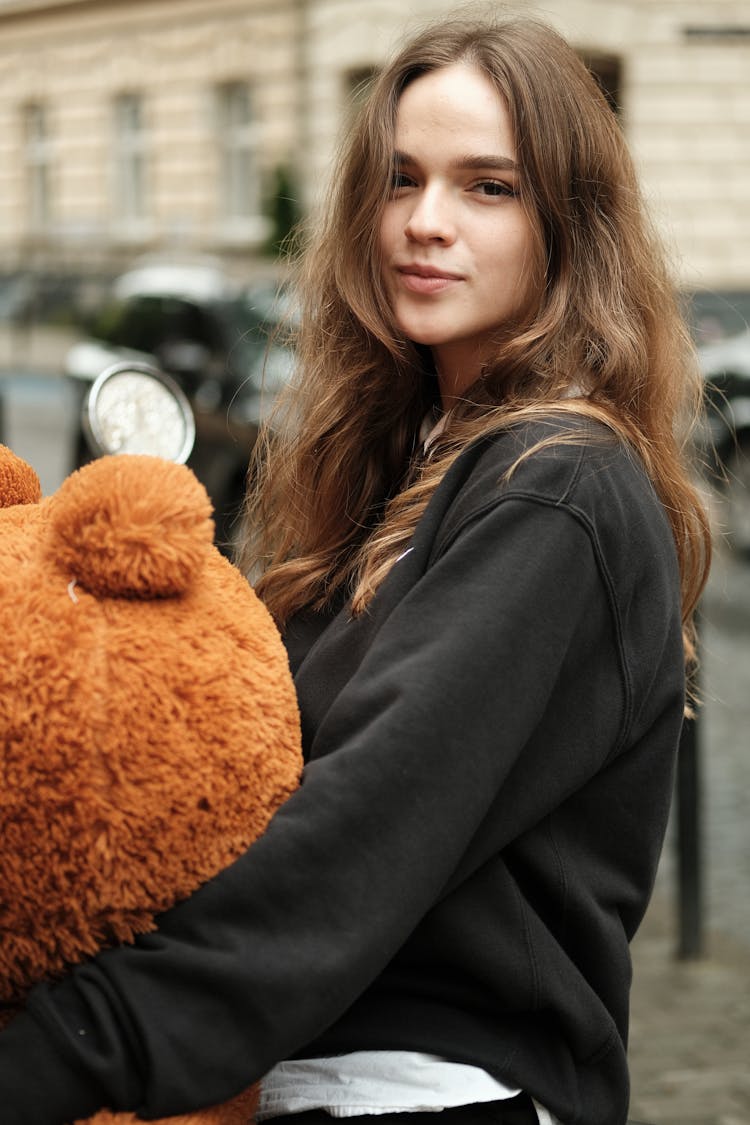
(720, 327)
(216, 340)
(31, 297)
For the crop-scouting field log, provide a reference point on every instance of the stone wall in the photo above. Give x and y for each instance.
(684, 96)
(76, 59)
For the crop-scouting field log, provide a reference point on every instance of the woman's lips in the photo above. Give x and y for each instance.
(425, 280)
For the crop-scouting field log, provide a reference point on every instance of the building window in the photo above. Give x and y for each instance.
(607, 70)
(38, 158)
(357, 83)
(237, 139)
(131, 156)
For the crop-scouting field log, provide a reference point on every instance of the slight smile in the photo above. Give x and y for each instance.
(426, 279)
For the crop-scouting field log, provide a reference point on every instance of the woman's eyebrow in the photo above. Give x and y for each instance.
(469, 162)
(481, 160)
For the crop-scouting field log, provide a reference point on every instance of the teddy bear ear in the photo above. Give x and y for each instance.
(19, 484)
(131, 526)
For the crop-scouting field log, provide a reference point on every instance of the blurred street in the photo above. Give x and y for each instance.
(690, 1036)
(37, 423)
(690, 1028)
(36, 402)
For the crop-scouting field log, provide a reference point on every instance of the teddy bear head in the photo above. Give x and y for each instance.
(148, 721)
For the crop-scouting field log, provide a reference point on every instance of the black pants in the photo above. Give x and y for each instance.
(508, 1111)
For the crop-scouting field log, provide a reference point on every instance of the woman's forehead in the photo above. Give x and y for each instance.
(455, 106)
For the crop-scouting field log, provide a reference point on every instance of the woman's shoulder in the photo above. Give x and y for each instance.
(562, 460)
(553, 456)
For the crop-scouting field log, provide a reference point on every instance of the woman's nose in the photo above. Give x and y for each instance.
(431, 219)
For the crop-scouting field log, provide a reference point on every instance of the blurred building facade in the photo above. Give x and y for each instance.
(134, 126)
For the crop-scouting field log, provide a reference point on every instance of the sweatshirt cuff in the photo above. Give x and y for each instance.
(37, 1085)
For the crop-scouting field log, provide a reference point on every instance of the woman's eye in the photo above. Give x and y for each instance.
(400, 180)
(494, 188)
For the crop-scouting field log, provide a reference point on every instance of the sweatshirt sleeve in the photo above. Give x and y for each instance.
(407, 762)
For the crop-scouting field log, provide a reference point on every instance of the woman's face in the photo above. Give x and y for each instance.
(457, 246)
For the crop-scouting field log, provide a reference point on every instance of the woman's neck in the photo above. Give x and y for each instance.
(457, 369)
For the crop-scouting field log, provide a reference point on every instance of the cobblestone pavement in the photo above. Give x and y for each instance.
(690, 1022)
(690, 1028)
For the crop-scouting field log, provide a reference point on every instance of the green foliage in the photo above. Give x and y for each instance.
(283, 211)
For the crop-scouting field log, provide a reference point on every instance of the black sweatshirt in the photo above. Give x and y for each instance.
(489, 764)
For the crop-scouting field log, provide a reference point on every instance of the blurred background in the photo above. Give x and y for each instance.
(154, 156)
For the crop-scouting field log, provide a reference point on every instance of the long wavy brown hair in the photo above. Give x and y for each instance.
(337, 488)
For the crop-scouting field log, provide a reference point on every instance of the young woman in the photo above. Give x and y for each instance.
(476, 527)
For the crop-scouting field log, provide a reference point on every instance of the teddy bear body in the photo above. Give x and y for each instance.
(148, 717)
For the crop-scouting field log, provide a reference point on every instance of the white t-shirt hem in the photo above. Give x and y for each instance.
(378, 1082)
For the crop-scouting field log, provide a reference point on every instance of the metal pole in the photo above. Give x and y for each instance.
(689, 843)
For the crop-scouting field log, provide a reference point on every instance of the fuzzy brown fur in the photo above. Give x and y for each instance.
(148, 718)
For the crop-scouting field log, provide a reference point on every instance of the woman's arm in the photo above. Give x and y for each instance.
(407, 762)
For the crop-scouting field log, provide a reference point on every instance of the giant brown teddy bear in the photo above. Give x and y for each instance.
(148, 718)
